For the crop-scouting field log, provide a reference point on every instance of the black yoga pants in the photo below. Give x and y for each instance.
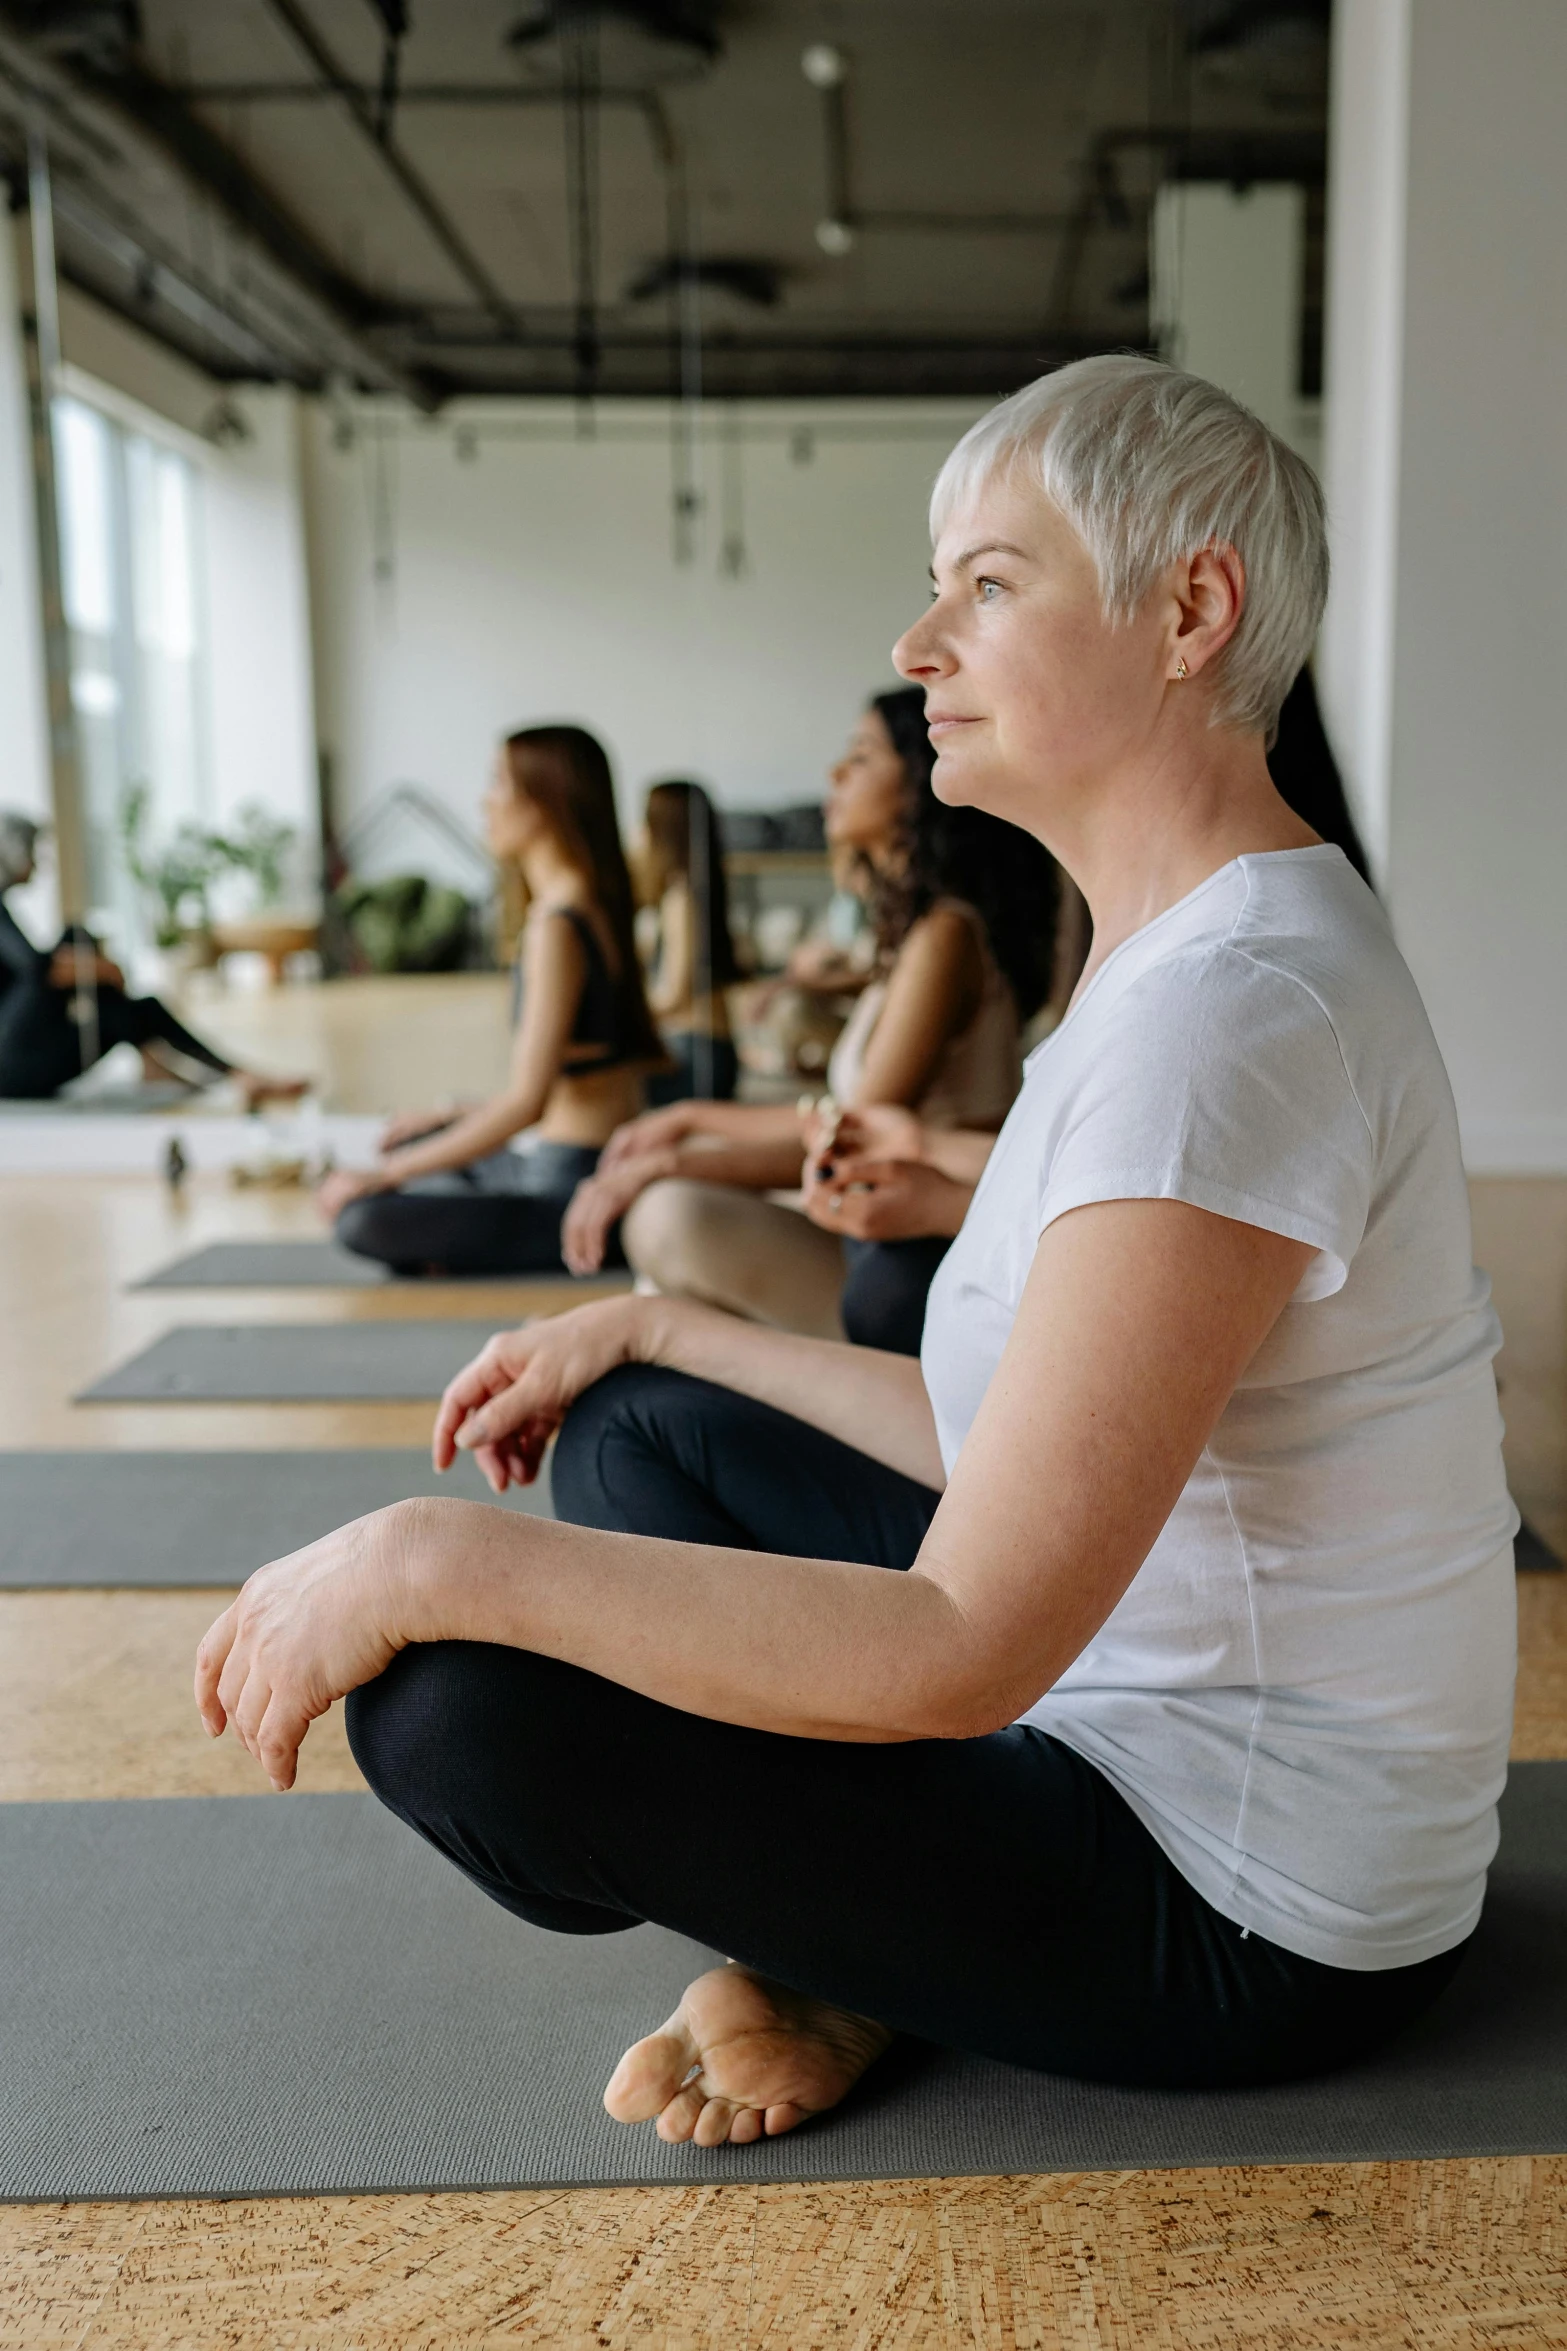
(41, 1045)
(706, 1069)
(885, 1285)
(501, 1215)
(993, 1894)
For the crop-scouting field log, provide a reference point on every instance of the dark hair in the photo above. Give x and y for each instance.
(1305, 773)
(683, 829)
(579, 800)
(1008, 877)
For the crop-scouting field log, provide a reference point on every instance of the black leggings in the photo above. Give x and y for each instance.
(884, 1291)
(41, 1046)
(501, 1215)
(994, 1894)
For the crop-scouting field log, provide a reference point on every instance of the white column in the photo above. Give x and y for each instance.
(1445, 645)
(24, 783)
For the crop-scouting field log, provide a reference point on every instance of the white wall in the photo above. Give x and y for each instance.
(1226, 276)
(1447, 477)
(537, 581)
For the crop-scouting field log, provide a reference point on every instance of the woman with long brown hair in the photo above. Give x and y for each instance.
(696, 954)
(455, 1192)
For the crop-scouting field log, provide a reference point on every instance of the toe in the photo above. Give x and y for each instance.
(715, 2121)
(678, 2120)
(650, 2074)
(747, 2126)
(783, 2118)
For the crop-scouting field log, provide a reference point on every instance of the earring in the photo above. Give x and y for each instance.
(1180, 667)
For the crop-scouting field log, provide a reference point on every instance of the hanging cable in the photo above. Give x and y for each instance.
(581, 118)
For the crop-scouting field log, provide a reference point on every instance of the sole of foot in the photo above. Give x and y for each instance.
(742, 2059)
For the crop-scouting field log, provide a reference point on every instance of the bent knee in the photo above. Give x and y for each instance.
(665, 1229)
(602, 1418)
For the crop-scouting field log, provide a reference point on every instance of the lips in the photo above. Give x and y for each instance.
(944, 722)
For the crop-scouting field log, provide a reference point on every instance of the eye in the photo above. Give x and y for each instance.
(984, 587)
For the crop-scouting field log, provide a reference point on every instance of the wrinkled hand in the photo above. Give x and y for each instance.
(600, 1201)
(308, 1629)
(414, 1126)
(884, 1200)
(507, 1404)
(655, 1130)
(344, 1185)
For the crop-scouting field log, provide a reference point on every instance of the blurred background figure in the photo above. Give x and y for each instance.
(63, 1009)
(962, 909)
(483, 1189)
(896, 1187)
(694, 963)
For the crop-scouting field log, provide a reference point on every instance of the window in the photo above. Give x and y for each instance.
(130, 551)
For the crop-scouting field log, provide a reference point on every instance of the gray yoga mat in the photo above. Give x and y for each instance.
(165, 1519)
(294, 1363)
(258, 1995)
(321, 1265)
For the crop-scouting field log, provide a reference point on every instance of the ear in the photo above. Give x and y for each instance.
(1209, 592)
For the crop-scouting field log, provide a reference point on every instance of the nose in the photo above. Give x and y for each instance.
(919, 654)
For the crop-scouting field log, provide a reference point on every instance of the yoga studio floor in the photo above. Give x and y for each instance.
(94, 1702)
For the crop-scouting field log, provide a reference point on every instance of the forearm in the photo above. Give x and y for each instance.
(873, 1401)
(807, 1647)
(745, 1123)
(959, 1153)
(473, 1136)
(763, 1165)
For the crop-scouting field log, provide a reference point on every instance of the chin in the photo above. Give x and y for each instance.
(958, 782)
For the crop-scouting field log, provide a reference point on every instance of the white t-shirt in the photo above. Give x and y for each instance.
(1306, 1692)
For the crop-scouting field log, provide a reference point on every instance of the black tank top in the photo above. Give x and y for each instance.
(601, 1022)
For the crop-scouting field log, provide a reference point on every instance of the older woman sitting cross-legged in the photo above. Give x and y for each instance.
(1172, 1753)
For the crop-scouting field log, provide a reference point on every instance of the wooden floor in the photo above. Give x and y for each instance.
(94, 1701)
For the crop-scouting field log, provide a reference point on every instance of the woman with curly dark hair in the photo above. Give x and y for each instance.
(964, 911)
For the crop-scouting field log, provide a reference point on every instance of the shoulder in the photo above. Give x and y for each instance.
(948, 936)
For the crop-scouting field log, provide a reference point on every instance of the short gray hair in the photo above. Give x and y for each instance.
(1150, 465)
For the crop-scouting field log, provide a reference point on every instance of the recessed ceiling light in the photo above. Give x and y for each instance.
(823, 66)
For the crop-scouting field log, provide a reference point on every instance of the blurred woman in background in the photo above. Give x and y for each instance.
(63, 1008)
(881, 1175)
(457, 1191)
(695, 962)
(963, 909)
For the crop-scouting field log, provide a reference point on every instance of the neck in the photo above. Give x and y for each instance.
(550, 871)
(1147, 835)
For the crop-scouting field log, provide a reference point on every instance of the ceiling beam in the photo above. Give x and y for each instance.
(415, 188)
(114, 134)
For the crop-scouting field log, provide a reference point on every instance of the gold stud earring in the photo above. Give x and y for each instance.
(1180, 667)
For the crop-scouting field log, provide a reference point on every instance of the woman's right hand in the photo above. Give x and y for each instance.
(505, 1406)
(652, 1132)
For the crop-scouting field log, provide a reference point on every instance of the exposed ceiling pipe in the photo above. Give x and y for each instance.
(362, 113)
(102, 129)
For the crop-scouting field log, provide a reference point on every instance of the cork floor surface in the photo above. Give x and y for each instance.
(1460, 2256)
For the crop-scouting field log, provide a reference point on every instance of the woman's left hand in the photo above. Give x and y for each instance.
(600, 1201)
(308, 1629)
(344, 1185)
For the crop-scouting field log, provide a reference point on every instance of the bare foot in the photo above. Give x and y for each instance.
(258, 1090)
(742, 2058)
